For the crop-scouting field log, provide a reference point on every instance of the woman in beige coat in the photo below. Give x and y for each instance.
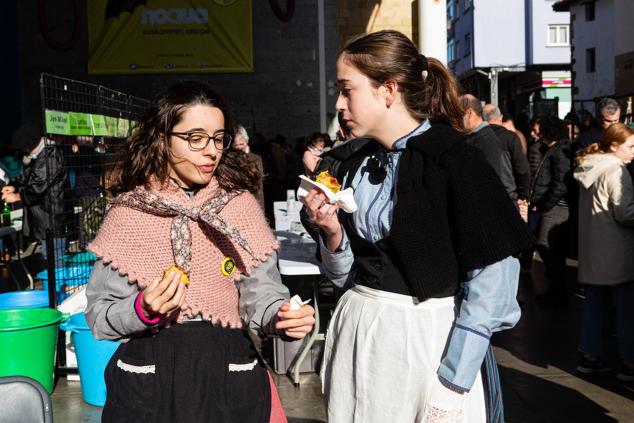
(606, 247)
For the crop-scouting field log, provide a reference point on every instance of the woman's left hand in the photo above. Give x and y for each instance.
(295, 323)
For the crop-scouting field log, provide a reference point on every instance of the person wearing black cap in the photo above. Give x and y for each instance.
(40, 187)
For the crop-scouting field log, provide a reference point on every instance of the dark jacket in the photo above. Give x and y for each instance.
(551, 168)
(490, 145)
(519, 161)
(41, 187)
(590, 136)
(452, 214)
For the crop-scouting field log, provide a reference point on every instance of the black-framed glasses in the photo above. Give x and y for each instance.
(198, 140)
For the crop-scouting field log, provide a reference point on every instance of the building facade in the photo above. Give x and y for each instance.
(522, 46)
(602, 49)
(281, 95)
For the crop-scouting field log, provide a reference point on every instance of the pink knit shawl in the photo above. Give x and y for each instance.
(137, 238)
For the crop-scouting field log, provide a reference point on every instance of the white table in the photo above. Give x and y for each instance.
(286, 220)
(296, 257)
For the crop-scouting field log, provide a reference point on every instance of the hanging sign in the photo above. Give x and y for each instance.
(170, 36)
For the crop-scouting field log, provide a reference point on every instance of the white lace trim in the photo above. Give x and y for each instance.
(242, 367)
(136, 369)
(436, 415)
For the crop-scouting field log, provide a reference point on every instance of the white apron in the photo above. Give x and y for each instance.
(381, 356)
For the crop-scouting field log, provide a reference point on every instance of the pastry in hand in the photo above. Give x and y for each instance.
(184, 277)
(329, 181)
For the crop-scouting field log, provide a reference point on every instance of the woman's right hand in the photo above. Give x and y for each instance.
(324, 215)
(164, 296)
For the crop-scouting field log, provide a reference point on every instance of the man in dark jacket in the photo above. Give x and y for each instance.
(483, 138)
(40, 187)
(512, 144)
(609, 114)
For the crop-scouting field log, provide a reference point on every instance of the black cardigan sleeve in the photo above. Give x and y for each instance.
(486, 226)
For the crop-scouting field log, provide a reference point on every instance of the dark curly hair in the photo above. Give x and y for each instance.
(147, 149)
(551, 128)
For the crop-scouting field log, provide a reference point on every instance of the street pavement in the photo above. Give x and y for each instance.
(537, 362)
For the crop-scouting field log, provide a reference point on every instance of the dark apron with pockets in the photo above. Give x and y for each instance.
(190, 372)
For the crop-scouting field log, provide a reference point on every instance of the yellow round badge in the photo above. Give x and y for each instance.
(228, 266)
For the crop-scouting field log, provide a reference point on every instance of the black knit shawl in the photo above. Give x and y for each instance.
(452, 213)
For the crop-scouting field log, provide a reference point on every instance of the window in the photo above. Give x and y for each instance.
(589, 10)
(558, 35)
(467, 44)
(451, 51)
(457, 50)
(591, 60)
(451, 9)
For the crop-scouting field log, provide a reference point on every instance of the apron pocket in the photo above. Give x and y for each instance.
(133, 386)
(246, 382)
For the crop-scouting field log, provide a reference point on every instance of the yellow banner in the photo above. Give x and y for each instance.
(170, 36)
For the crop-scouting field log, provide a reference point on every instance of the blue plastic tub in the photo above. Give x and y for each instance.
(24, 299)
(66, 280)
(78, 259)
(92, 358)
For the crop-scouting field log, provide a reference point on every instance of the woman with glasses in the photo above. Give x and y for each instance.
(181, 268)
(428, 255)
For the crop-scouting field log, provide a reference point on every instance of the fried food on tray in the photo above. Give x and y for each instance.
(328, 181)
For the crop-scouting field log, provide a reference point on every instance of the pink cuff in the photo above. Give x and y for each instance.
(141, 314)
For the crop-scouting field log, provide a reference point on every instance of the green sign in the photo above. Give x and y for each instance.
(98, 125)
(123, 128)
(80, 124)
(57, 122)
(73, 123)
(111, 125)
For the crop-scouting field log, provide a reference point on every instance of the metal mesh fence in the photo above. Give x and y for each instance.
(81, 157)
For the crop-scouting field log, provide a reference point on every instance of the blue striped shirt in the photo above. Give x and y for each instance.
(376, 201)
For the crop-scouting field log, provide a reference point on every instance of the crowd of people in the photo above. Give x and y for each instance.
(539, 174)
(450, 195)
(572, 185)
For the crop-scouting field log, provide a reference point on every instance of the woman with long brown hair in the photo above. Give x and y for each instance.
(182, 267)
(427, 257)
(606, 247)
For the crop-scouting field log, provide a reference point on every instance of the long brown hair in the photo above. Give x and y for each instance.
(391, 56)
(616, 134)
(148, 149)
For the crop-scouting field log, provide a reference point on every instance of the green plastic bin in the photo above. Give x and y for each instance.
(27, 343)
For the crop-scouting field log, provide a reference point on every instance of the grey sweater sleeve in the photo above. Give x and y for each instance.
(261, 295)
(110, 310)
